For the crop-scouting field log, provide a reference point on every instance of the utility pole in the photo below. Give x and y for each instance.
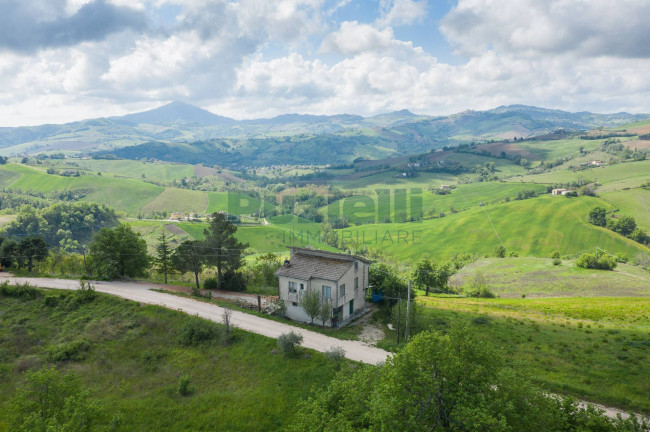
(399, 309)
(408, 304)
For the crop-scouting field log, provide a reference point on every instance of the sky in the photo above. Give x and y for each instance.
(66, 60)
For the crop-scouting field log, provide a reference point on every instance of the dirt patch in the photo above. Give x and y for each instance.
(230, 177)
(203, 171)
(637, 144)
(371, 333)
(508, 148)
(640, 130)
(176, 230)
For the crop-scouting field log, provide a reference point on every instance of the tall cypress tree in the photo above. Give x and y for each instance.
(163, 259)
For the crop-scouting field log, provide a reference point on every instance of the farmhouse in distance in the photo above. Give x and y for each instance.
(341, 280)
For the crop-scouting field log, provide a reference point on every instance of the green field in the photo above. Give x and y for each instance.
(532, 227)
(612, 177)
(234, 203)
(119, 193)
(396, 206)
(160, 171)
(178, 200)
(538, 277)
(593, 348)
(134, 358)
(633, 202)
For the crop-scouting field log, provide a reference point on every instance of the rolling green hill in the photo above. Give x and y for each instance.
(533, 227)
(119, 193)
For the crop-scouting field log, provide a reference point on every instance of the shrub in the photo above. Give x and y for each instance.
(210, 284)
(335, 354)
(500, 252)
(591, 261)
(197, 331)
(233, 281)
(184, 385)
(482, 292)
(24, 291)
(287, 342)
(86, 292)
(75, 351)
(557, 261)
(555, 254)
(51, 301)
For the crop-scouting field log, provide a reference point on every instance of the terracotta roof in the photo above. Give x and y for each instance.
(308, 264)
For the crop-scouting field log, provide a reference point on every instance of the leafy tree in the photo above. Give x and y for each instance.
(385, 280)
(162, 261)
(287, 342)
(598, 216)
(311, 303)
(66, 225)
(598, 262)
(640, 235)
(325, 313)
(625, 225)
(31, 249)
(119, 252)
(500, 251)
(429, 275)
(8, 251)
(444, 382)
(223, 250)
(188, 257)
(49, 401)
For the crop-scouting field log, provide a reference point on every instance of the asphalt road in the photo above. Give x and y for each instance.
(141, 292)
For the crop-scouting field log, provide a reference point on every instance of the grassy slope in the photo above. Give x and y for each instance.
(464, 197)
(234, 203)
(121, 194)
(178, 200)
(135, 169)
(533, 227)
(281, 233)
(634, 202)
(134, 364)
(613, 177)
(594, 348)
(538, 277)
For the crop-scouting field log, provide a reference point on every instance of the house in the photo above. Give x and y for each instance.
(559, 191)
(597, 163)
(445, 187)
(340, 279)
(177, 216)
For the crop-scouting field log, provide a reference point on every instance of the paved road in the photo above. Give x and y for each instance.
(141, 292)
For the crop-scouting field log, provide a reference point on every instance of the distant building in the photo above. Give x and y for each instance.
(445, 187)
(413, 165)
(177, 216)
(340, 279)
(559, 191)
(597, 163)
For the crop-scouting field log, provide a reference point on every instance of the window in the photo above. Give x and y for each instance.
(356, 283)
(356, 265)
(302, 287)
(292, 287)
(342, 290)
(327, 291)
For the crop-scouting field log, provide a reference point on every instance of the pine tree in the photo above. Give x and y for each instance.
(163, 259)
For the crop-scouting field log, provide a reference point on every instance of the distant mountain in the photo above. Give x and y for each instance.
(399, 132)
(175, 112)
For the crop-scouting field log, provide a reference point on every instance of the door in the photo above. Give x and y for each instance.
(351, 306)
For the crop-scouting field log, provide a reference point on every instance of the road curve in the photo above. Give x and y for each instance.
(141, 292)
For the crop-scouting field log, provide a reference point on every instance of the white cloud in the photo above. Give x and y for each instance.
(401, 12)
(533, 28)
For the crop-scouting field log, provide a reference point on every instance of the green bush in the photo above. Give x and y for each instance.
(335, 354)
(184, 385)
(24, 291)
(591, 261)
(287, 342)
(197, 331)
(210, 283)
(557, 261)
(69, 351)
(555, 254)
(482, 292)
